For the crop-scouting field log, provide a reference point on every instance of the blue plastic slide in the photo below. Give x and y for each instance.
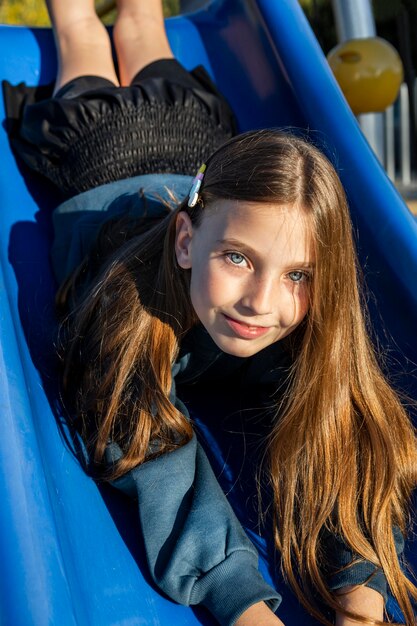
(70, 552)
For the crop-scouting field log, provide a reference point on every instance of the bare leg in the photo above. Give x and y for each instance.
(139, 36)
(82, 41)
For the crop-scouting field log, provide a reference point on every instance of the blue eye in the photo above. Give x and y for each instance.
(236, 258)
(298, 276)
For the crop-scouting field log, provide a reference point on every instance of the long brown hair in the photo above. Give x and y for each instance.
(342, 454)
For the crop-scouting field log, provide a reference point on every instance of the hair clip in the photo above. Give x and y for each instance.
(195, 187)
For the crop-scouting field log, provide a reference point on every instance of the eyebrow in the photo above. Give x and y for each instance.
(251, 252)
(237, 244)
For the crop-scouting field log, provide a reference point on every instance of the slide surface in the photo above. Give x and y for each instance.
(70, 551)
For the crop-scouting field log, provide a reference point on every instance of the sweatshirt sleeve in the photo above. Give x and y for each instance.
(197, 551)
(348, 569)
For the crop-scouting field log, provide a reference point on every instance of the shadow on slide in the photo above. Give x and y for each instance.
(71, 552)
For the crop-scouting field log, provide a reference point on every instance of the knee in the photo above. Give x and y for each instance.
(82, 31)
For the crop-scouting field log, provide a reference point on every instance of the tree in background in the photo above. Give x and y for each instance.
(34, 13)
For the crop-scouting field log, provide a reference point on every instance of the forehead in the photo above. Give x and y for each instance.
(265, 227)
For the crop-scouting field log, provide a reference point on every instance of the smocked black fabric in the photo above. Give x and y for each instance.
(168, 121)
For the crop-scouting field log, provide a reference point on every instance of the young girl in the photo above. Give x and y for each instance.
(251, 279)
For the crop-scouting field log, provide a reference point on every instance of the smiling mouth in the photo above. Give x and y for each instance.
(245, 331)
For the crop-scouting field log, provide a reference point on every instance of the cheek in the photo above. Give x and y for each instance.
(209, 287)
(297, 305)
(304, 302)
(202, 287)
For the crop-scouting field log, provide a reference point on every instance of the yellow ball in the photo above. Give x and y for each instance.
(369, 72)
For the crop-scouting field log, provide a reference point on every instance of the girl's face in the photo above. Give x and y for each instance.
(251, 271)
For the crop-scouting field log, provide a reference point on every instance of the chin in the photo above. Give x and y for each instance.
(240, 348)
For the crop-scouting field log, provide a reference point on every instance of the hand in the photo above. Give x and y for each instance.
(362, 601)
(258, 615)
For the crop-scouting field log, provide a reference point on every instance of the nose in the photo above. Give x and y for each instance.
(260, 296)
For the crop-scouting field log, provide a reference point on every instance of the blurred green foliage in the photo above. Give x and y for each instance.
(34, 13)
(30, 12)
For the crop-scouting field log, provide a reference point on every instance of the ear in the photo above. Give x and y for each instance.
(183, 237)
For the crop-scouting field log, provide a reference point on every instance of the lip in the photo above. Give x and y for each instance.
(245, 331)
